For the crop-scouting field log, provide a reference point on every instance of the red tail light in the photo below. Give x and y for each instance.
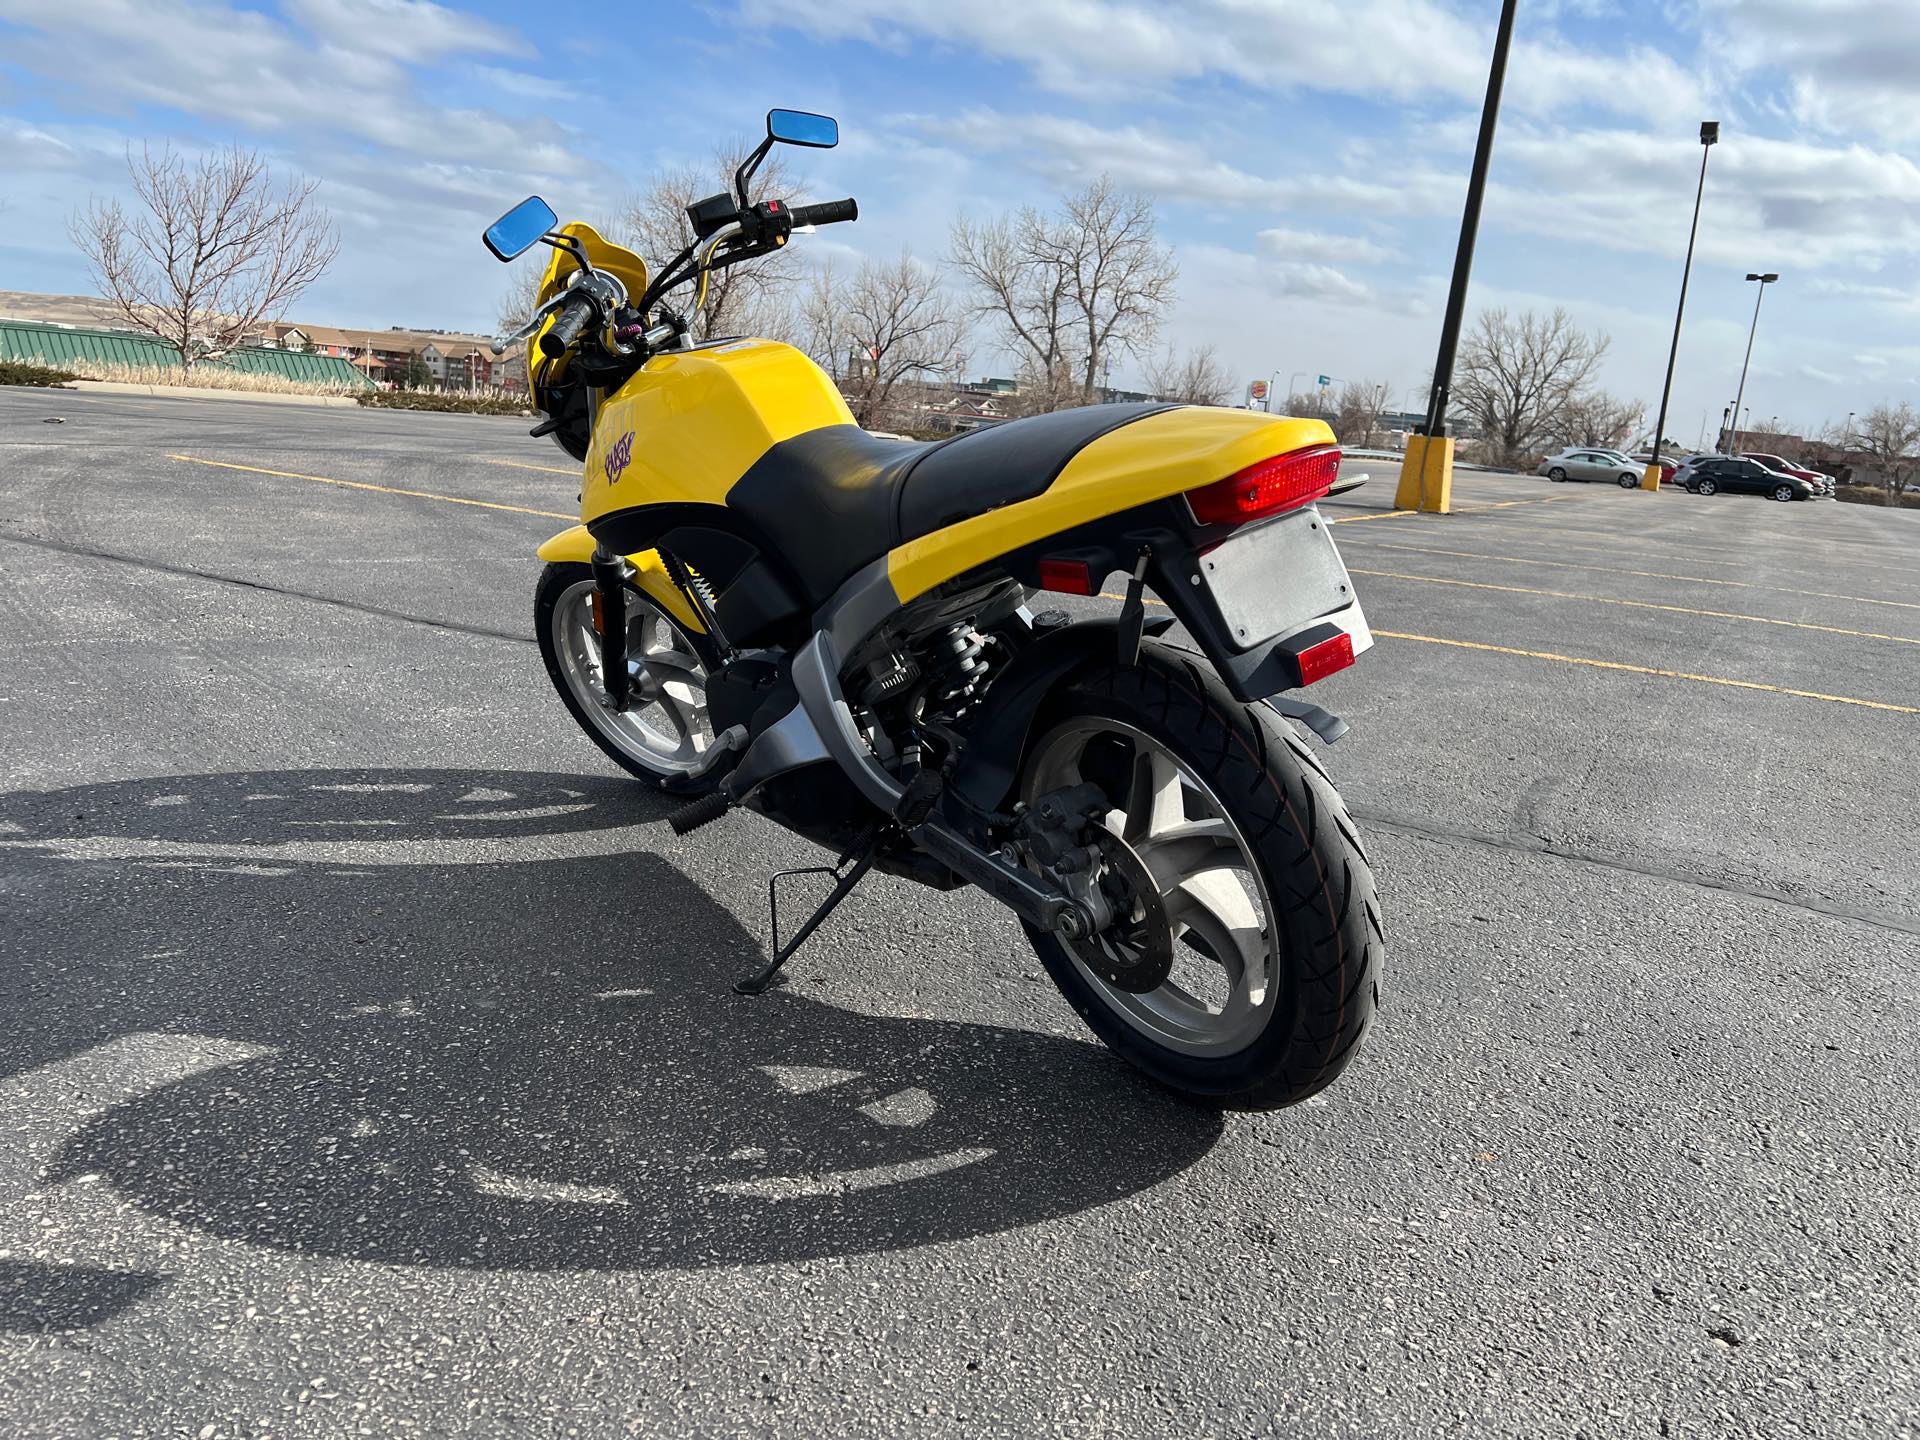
(1284, 482)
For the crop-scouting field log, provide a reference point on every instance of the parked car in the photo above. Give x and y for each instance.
(1589, 462)
(1707, 474)
(1822, 483)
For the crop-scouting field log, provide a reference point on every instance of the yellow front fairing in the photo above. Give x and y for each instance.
(617, 260)
(692, 422)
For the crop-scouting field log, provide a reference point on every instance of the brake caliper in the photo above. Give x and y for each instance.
(1066, 839)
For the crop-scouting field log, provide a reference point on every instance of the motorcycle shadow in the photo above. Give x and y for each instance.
(479, 1025)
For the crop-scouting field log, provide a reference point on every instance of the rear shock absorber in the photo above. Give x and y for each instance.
(957, 651)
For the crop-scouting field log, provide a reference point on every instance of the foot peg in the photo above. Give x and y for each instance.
(695, 813)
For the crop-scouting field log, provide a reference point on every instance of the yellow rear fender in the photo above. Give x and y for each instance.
(1158, 455)
(575, 547)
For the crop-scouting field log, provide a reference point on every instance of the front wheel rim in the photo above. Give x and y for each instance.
(1222, 990)
(665, 727)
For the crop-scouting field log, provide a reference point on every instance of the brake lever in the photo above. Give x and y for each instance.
(499, 343)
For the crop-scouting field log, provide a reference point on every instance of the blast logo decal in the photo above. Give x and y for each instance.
(618, 457)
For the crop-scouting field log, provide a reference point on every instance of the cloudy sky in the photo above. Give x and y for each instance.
(1308, 156)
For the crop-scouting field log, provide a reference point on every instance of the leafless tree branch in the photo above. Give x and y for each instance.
(1069, 291)
(215, 251)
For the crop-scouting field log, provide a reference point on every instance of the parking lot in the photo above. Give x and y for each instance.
(370, 1065)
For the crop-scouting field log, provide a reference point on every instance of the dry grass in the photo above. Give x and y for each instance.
(213, 377)
(449, 402)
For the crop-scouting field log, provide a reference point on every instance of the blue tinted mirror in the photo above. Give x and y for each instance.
(801, 127)
(520, 227)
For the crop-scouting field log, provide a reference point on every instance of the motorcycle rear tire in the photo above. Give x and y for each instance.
(1326, 958)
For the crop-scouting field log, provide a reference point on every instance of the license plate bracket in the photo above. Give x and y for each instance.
(1274, 578)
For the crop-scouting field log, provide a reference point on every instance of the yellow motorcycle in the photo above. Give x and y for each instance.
(766, 606)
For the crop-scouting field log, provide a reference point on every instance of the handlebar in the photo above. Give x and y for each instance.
(827, 212)
(574, 316)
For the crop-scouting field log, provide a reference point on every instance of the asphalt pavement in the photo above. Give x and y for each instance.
(370, 1066)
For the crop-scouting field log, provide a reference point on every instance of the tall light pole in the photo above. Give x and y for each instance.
(1752, 330)
(1709, 137)
(1426, 475)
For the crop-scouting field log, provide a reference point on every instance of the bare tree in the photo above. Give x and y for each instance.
(1307, 402)
(1519, 376)
(1072, 290)
(1357, 411)
(1196, 379)
(215, 251)
(1597, 418)
(521, 297)
(1043, 390)
(1890, 435)
(890, 324)
(744, 299)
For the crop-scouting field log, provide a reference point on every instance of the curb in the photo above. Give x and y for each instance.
(197, 392)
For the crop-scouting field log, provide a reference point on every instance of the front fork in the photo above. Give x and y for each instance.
(610, 575)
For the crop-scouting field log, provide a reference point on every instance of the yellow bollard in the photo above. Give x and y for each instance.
(1426, 475)
(1651, 480)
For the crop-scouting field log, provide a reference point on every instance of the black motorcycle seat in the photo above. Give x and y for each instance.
(838, 498)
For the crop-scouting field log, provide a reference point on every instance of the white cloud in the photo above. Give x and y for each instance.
(1769, 203)
(411, 31)
(249, 70)
(1851, 66)
(1316, 245)
(1066, 152)
(1380, 49)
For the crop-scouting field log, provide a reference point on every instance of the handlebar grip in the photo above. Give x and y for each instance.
(574, 316)
(827, 212)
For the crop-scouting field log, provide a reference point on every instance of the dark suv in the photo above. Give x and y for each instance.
(1710, 473)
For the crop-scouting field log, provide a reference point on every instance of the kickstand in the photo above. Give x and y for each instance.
(846, 876)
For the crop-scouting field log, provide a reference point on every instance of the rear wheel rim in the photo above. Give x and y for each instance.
(665, 727)
(1225, 982)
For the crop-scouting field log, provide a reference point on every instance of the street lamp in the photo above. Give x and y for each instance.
(1709, 137)
(1738, 395)
(1420, 488)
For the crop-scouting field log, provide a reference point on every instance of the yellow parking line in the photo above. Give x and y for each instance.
(1637, 605)
(1506, 504)
(1621, 570)
(1650, 670)
(382, 489)
(543, 469)
(1679, 549)
(1457, 510)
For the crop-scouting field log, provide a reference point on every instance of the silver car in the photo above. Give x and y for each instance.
(1590, 462)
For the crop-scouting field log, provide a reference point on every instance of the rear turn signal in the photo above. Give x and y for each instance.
(1069, 577)
(1284, 482)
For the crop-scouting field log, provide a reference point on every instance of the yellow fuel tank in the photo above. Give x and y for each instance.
(692, 422)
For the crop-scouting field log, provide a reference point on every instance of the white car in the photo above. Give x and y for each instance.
(1590, 462)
